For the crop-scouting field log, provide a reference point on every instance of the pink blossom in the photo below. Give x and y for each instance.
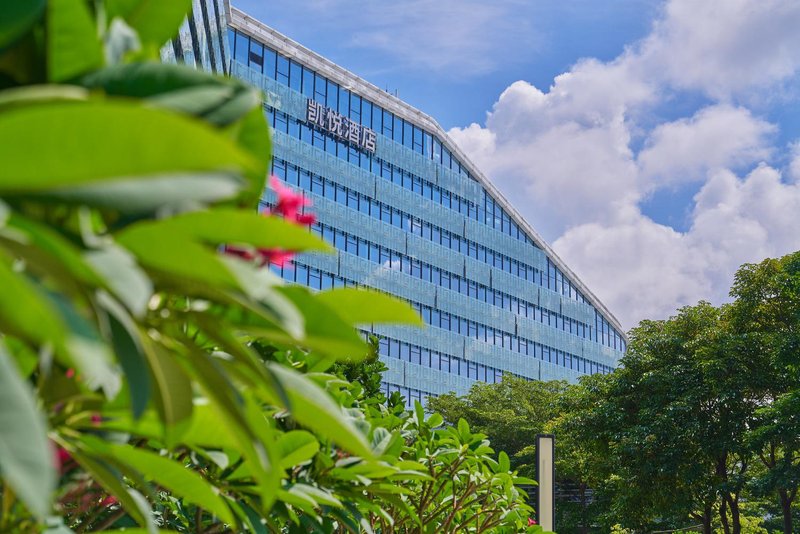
(531, 521)
(289, 201)
(288, 206)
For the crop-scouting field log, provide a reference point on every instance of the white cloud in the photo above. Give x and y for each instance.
(715, 137)
(724, 47)
(794, 164)
(642, 269)
(578, 159)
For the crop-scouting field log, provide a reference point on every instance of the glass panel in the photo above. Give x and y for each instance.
(333, 95)
(355, 108)
(282, 72)
(295, 76)
(344, 102)
(242, 48)
(270, 57)
(308, 83)
(256, 56)
(320, 89)
(388, 124)
(232, 40)
(366, 113)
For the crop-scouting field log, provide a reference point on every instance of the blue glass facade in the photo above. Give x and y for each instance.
(415, 218)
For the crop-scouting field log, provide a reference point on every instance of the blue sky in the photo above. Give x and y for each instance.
(654, 143)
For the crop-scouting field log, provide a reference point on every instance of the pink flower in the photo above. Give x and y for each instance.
(96, 419)
(531, 521)
(108, 501)
(61, 457)
(288, 206)
(290, 203)
(70, 373)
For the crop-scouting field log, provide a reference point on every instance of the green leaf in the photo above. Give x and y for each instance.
(33, 94)
(312, 407)
(48, 253)
(250, 134)
(129, 197)
(156, 21)
(172, 385)
(26, 459)
(185, 247)
(174, 476)
(296, 447)
(122, 276)
(220, 101)
(360, 306)
(75, 146)
(16, 18)
(86, 350)
(435, 420)
(503, 462)
(25, 312)
(237, 227)
(326, 332)
(129, 352)
(72, 44)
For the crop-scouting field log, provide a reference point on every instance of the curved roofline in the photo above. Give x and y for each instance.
(348, 80)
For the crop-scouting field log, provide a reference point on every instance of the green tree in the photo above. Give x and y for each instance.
(765, 318)
(510, 412)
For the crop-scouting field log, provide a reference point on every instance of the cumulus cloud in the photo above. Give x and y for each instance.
(642, 269)
(717, 136)
(579, 158)
(724, 48)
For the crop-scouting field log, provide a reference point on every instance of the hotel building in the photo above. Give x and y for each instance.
(411, 215)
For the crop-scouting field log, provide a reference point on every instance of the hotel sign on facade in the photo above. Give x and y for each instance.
(340, 126)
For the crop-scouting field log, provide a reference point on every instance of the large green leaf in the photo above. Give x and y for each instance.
(24, 310)
(167, 193)
(174, 476)
(173, 387)
(220, 101)
(360, 306)
(72, 44)
(86, 350)
(250, 134)
(296, 447)
(185, 247)
(234, 227)
(48, 254)
(156, 21)
(326, 332)
(129, 352)
(122, 276)
(314, 408)
(16, 18)
(25, 454)
(76, 145)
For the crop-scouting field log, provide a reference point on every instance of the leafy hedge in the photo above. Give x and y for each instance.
(146, 376)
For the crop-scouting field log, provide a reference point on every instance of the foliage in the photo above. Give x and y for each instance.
(512, 412)
(146, 376)
(698, 426)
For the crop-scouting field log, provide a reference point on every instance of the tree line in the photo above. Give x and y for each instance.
(698, 427)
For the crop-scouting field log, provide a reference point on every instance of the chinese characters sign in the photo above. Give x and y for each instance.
(340, 126)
